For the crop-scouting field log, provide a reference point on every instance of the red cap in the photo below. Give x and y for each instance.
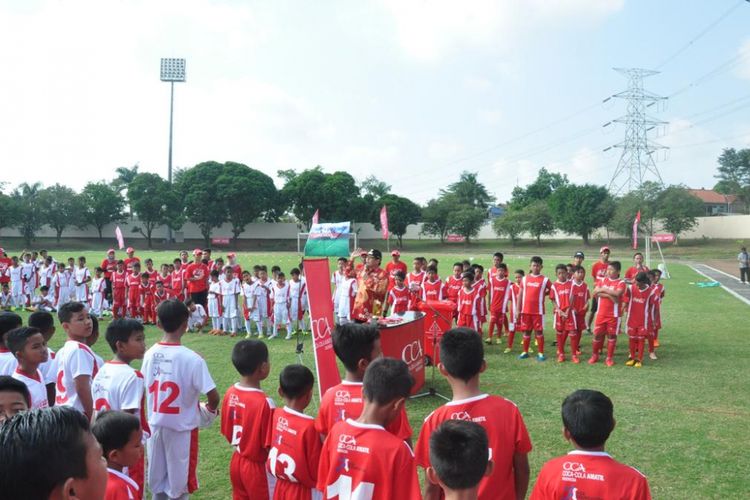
(605, 248)
(197, 251)
(111, 250)
(129, 249)
(396, 252)
(231, 255)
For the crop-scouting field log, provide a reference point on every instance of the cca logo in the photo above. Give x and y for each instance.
(321, 329)
(574, 467)
(411, 352)
(347, 440)
(461, 415)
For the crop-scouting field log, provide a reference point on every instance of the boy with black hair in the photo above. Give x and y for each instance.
(588, 472)
(65, 461)
(462, 362)
(14, 398)
(453, 286)
(561, 296)
(432, 286)
(119, 279)
(45, 323)
(297, 290)
(515, 289)
(579, 296)
(133, 282)
(98, 292)
(294, 443)
(653, 340)
(608, 293)
(534, 289)
(497, 259)
(639, 297)
(8, 322)
(468, 302)
(198, 318)
(76, 364)
(459, 454)
(397, 301)
(175, 377)
(28, 346)
(246, 421)
(360, 459)
(501, 295)
(337, 278)
(44, 300)
(6, 298)
(121, 438)
(357, 346)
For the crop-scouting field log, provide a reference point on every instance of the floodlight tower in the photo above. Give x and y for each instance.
(636, 163)
(172, 70)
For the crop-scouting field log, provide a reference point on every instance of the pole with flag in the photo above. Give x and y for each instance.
(635, 230)
(316, 216)
(120, 239)
(384, 226)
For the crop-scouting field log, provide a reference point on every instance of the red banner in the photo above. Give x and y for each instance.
(384, 222)
(318, 277)
(663, 238)
(405, 342)
(316, 216)
(120, 239)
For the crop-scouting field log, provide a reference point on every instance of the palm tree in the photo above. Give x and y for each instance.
(124, 177)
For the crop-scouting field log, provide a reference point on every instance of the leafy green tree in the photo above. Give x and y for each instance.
(121, 182)
(29, 213)
(469, 191)
(436, 214)
(375, 187)
(401, 213)
(580, 209)
(679, 210)
(511, 224)
(542, 188)
(466, 220)
(645, 199)
(7, 211)
(199, 189)
(538, 220)
(734, 175)
(61, 208)
(153, 200)
(103, 205)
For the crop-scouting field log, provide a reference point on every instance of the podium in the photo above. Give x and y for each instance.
(438, 320)
(402, 337)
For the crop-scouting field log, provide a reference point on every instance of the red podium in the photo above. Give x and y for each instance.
(438, 320)
(401, 337)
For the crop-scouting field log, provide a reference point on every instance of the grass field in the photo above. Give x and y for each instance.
(681, 420)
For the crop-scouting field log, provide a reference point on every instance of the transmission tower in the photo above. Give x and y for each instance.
(637, 163)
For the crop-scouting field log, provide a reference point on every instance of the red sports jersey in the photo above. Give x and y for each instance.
(147, 293)
(432, 290)
(415, 278)
(134, 284)
(129, 263)
(119, 280)
(580, 296)
(589, 474)
(391, 268)
(452, 286)
(398, 300)
(606, 307)
(176, 283)
(632, 271)
(468, 302)
(120, 487)
(561, 295)
(506, 432)
(534, 288)
(516, 291)
(294, 454)
(198, 272)
(639, 306)
(246, 421)
(345, 401)
(365, 461)
(109, 267)
(500, 294)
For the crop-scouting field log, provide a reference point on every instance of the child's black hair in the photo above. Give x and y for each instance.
(280, 275)
(387, 379)
(561, 267)
(66, 311)
(342, 259)
(537, 260)
(520, 271)
(295, 381)
(113, 429)
(294, 272)
(468, 275)
(8, 321)
(615, 264)
(40, 450)
(120, 330)
(458, 264)
(248, 355)
(99, 269)
(400, 275)
(462, 353)
(642, 278)
(172, 314)
(499, 254)
(589, 417)
(353, 342)
(503, 266)
(432, 269)
(44, 288)
(16, 339)
(214, 273)
(459, 452)
(9, 384)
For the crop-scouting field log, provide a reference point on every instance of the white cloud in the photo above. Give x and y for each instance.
(743, 70)
(443, 150)
(477, 83)
(490, 116)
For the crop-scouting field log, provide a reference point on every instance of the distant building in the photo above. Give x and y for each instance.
(717, 203)
(495, 211)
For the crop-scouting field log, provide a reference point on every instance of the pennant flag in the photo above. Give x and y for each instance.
(635, 230)
(120, 239)
(316, 216)
(384, 222)
(328, 240)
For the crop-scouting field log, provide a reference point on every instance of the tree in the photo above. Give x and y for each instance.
(61, 208)
(401, 213)
(7, 210)
(103, 205)
(200, 191)
(644, 199)
(435, 216)
(29, 218)
(466, 221)
(539, 190)
(580, 209)
(123, 179)
(152, 199)
(734, 174)
(469, 191)
(678, 210)
(538, 220)
(511, 224)
(246, 193)
(375, 187)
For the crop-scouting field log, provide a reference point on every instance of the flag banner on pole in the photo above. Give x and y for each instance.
(384, 222)
(120, 239)
(316, 217)
(328, 240)
(635, 230)
(318, 278)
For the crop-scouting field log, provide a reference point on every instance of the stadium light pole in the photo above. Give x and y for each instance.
(172, 70)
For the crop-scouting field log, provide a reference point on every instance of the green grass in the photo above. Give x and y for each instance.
(681, 420)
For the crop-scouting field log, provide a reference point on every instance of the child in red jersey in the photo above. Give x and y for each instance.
(356, 345)
(294, 443)
(360, 459)
(481, 285)
(653, 339)
(121, 438)
(608, 292)
(133, 283)
(639, 297)
(588, 471)
(636, 268)
(515, 289)
(462, 362)
(501, 294)
(147, 300)
(534, 288)
(246, 422)
(432, 286)
(468, 302)
(579, 304)
(119, 290)
(565, 321)
(453, 285)
(160, 294)
(398, 296)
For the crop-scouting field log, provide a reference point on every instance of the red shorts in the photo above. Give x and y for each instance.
(565, 324)
(580, 321)
(638, 332)
(468, 321)
(248, 478)
(499, 318)
(607, 326)
(529, 322)
(287, 490)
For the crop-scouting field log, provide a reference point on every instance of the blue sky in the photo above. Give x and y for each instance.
(411, 91)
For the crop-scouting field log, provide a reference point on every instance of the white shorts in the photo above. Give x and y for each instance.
(260, 312)
(172, 460)
(229, 307)
(213, 307)
(280, 315)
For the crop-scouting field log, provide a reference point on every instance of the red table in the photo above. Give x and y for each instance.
(402, 337)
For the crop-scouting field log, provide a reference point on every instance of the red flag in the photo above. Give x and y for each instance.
(384, 222)
(120, 239)
(316, 215)
(635, 230)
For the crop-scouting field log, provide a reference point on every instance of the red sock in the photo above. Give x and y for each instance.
(656, 333)
(526, 342)
(540, 342)
(641, 341)
(511, 337)
(560, 343)
(596, 346)
(574, 343)
(651, 340)
(611, 344)
(491, 329)
(632, 345)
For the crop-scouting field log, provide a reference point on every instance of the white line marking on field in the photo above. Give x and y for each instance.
(735, 278)
(743, 299)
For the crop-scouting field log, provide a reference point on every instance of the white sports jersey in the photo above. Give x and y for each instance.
(229, 291)
(197, 317)
(16, 285)
(117, 386)
(28, 272)
(6, 300)
(49, 367)
(280, 296)
(74, 359)
(37, 389)
(82, 289)
(175, 378)
(214, 299)
(346, 292)
(8, 362)
(98, 289)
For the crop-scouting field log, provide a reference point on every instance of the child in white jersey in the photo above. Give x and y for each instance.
(280, 297)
